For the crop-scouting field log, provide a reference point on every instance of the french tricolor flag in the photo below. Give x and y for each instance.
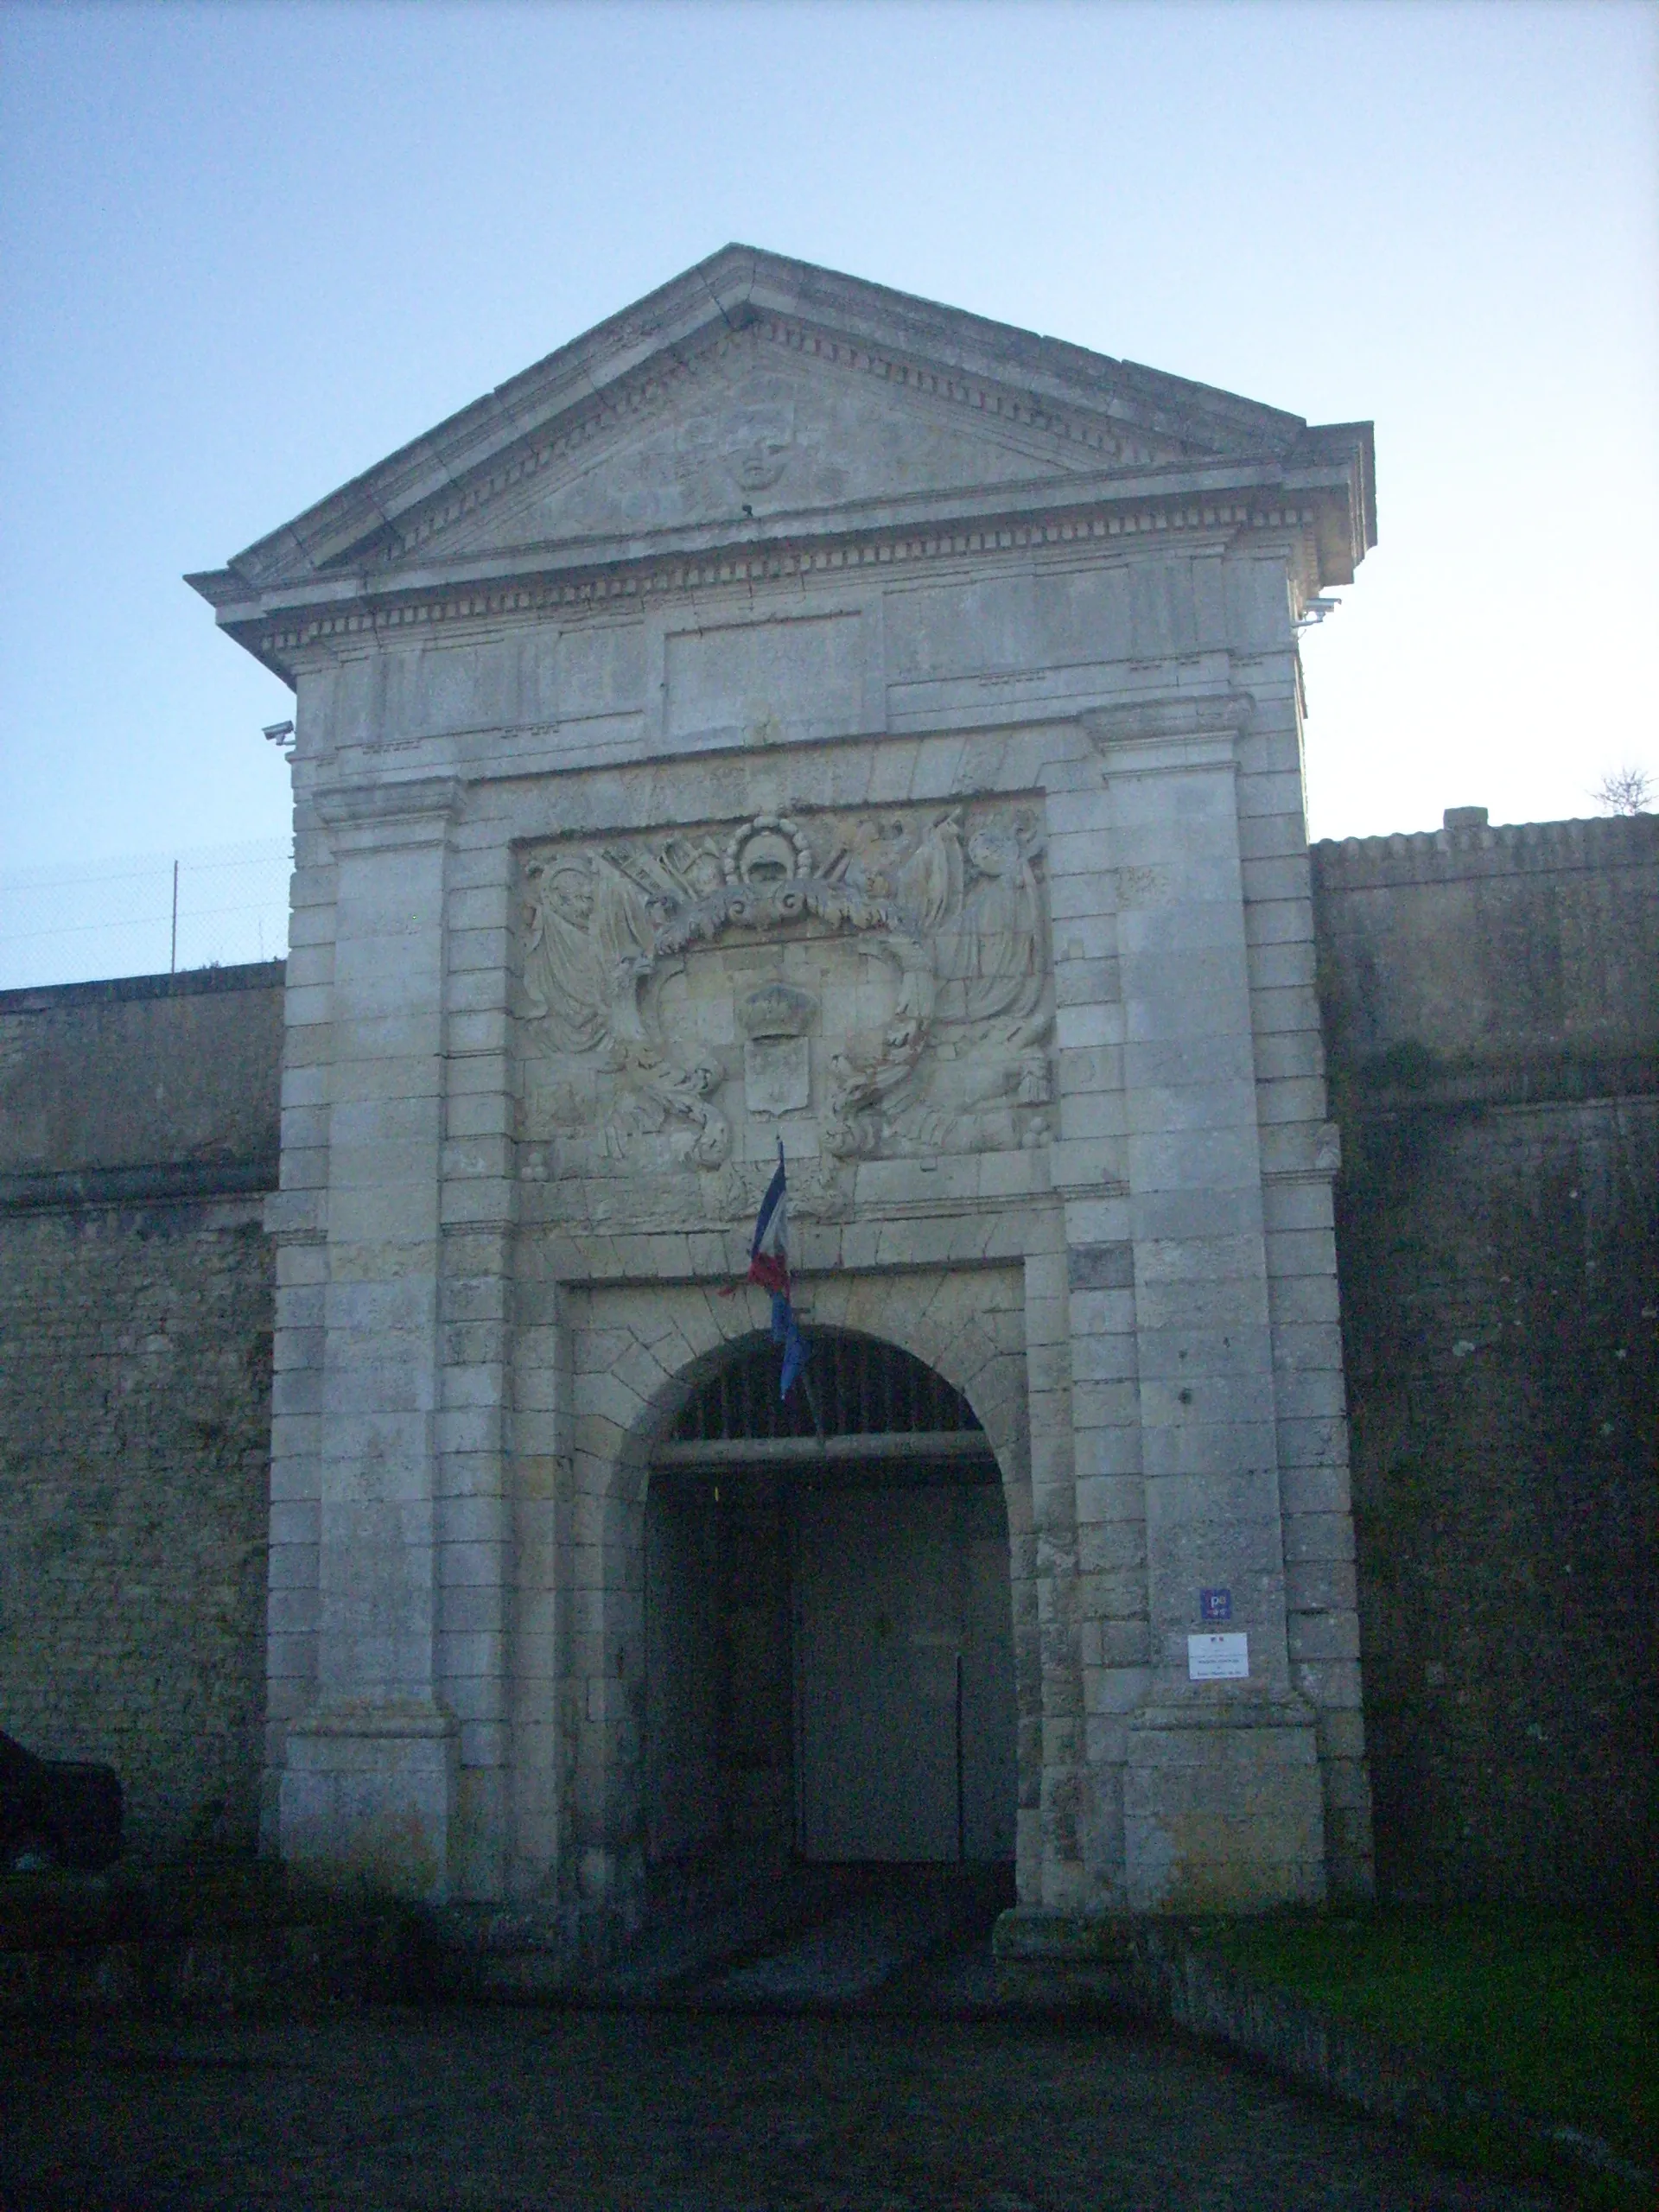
(769, 1266)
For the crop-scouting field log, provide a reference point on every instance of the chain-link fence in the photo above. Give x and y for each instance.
(212, 907)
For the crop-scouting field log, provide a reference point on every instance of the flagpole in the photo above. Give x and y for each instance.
(806, 1368)
(810, 1388)
(807, 1384)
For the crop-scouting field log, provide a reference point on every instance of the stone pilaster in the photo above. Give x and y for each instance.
(370, 1778)
(1221, 1804)
(1108, 1600)
(294, 1217)
(474, 1531)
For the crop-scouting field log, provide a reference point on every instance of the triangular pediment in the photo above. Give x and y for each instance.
(764, 422)
(750, 392)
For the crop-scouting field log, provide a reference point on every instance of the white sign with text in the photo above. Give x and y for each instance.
(1219, 1658)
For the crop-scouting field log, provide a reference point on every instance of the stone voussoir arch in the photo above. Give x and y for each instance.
(636, 1357)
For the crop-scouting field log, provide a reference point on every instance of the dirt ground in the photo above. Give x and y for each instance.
(440, 2109)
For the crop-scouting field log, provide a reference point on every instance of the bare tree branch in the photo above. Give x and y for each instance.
(1624, 791)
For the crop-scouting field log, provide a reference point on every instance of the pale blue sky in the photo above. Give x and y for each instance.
(247, 251)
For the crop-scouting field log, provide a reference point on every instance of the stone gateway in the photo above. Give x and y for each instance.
(797, 712)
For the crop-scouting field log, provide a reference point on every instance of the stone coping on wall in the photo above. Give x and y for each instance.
(1493, 849)
(163, 1182)
(184, 982)
(1401, 1081)
(141, 1091)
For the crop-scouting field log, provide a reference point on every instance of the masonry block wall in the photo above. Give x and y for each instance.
(137, 1133)
(1491, 1002)
(1492, 1005)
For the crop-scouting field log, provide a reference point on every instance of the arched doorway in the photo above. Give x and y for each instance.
(829, 1643)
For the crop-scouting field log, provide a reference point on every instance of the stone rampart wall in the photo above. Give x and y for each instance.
(138, 1128)
(1492, 1003)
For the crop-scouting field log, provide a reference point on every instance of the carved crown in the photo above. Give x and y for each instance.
(777, 1010)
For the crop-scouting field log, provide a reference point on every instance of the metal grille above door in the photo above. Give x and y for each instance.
(863, 1387)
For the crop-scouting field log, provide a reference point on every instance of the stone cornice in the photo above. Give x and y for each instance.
(1257, 486)
(1170, 732)
(424, 803)
(278, 626)
(1170, 716)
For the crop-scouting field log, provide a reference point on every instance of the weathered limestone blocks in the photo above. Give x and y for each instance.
(1223, 1808)
(879, 740)
(368, 1790)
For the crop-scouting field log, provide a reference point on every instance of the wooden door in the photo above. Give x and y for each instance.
(904, 1674)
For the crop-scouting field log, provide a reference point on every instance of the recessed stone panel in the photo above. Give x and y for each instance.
(801, 676)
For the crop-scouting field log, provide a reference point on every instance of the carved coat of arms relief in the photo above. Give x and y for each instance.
(880, 979)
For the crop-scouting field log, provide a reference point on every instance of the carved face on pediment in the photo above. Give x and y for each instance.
(881, 979)
(759, 435)
(740, 433)
(756, 414)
